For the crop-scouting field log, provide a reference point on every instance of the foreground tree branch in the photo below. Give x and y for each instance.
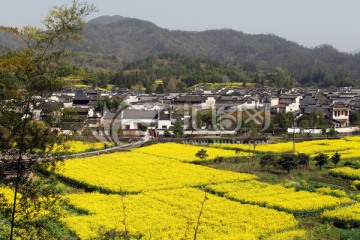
(27, 76)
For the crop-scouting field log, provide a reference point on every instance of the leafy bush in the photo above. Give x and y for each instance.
(352, 164)
(219, 159)
(357, 184)
(350, 234)
(288, 162)
(202, 154)
(167, 133)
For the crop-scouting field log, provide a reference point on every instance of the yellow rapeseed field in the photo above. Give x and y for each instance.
(279, 197)
(166, 193)
(348, 147)
(347, 216)
(185, 153)
(334, 192)
(173, 214)
(136, 172)
(7, 193)
(71, 147)
(31, 212)
(346, 172)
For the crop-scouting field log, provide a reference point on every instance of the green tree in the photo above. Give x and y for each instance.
(304, 123)
(332, 132)
(280, 78)
(206, 118)
(202, 154)
(335, 159)
(29, 75)
(181, 87)
(267, 160)
(259, 79)
(288, 162)
(112, 104)
(321, 159)
(167, 133)
(284, 120)
(316, 119)
(304, 159)
(160, 88)
(171, 85)
(354, 117)
(178, 129)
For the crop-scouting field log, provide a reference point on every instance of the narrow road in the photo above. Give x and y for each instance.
(124, 147)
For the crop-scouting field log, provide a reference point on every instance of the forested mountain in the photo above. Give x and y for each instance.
(172, 72)
(7, 41)
(131, 39)
(176, 72)
(111, 40)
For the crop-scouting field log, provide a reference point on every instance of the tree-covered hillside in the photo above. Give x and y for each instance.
(111, 43)
(177, 73)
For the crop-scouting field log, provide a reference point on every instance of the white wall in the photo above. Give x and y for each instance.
(274, 101)
(209, 103)
(91, 112)
(291, 130)
(68, 104)
(309, 130)
(347, 129)
(133, 123)
(162, 123)
(313, 131)
(131, 99)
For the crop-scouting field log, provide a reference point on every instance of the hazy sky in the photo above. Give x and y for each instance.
(307, 22)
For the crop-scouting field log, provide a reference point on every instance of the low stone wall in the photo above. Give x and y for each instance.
(347, 129)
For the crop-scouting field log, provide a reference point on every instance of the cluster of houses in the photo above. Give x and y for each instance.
(159, 112)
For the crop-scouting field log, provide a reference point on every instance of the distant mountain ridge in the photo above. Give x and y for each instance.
(7, 41)
(356, 51)
(132, 39)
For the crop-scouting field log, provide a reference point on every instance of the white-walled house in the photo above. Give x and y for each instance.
(340, 115)
(287, 103)
(68, 104)
(164, 120)
(250, 103)
(36, 114)
(200, 101)
(147, 106)
(91, 112)
(152, 120)
(134, 119)
(269, 101)
(130, 99)
(209, 103)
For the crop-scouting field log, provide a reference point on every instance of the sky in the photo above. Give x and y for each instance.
(308, 22)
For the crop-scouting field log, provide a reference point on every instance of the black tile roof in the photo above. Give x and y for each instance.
(140, 114)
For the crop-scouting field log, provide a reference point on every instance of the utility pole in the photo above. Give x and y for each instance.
(220, 125)
(294, 135)
(249, 158)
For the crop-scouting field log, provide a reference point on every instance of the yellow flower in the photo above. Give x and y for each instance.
(173, 214)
